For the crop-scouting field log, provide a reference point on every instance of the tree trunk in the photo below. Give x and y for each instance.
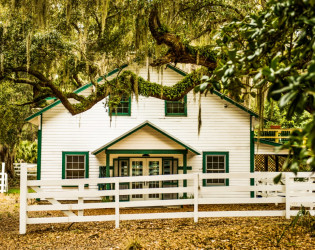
(7, 156)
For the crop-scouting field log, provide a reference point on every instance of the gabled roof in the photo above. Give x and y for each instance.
(140, 126)
(242, 107)
(177, 70)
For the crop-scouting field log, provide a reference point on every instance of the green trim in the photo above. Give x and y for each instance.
(188, 168)
(252, 147)
(271, 143)
(106, 146)
(227, 167)
(76, 92)
(123, 114)
(176, 114)
(235, 103)
(141, 151)
(252, 155)
(177, 70)
(107, 169)
(181, 72)
(185, 171)
(86, 154)
(39, 148)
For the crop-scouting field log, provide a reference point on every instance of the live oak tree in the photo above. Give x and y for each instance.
(55, 46)
(12, 121)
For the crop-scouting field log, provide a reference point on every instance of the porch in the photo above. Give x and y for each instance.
(146, 150)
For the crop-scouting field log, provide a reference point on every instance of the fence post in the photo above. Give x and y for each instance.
(2, 181)
(287, 196)
(117, 217)
(196, 196)
(81, 200)
(23, 199)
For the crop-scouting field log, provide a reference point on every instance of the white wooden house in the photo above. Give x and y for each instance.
(148, 137)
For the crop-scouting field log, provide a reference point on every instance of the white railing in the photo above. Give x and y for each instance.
(291, 192)
(31, 168)
(3, 180)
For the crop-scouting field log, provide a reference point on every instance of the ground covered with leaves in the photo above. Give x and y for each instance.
(208, 233)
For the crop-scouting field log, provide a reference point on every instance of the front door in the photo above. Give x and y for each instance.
(145, 167)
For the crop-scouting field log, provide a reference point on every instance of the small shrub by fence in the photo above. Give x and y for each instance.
(3, 179)
(294, 191)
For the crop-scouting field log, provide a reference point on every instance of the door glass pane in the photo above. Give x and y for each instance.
(154, 169)
(137, 170)
(123, 167)
(167, 167)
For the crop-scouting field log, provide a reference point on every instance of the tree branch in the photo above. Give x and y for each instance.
(178, 52)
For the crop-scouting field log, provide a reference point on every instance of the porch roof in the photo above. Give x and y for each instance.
(137, 128)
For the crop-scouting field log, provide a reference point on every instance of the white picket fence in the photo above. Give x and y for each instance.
(31, 168)
(293, 192)
(3, 179)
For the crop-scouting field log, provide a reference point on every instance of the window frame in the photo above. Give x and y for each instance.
(76, 153)
(176, 114)
(123, 114)
(204, 168)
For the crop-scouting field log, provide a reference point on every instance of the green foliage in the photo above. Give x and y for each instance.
(275, 47)
(26, 152)
(277, 116)
(12, 115)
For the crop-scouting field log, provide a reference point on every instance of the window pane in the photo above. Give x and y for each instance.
(69, 165)
(175, 107)
(75, 166)
(123, 107)
(215, 164)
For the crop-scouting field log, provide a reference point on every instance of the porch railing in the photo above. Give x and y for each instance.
(274, 135)
(294, 191)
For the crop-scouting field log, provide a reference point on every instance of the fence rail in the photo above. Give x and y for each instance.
(31, 168)
(3, 179)
(293, 191)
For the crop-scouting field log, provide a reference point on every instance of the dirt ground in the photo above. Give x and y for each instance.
(208, 233)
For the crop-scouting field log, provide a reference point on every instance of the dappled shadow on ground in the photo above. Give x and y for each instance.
(208, 233)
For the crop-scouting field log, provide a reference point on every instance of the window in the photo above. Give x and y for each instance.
(124, 108)
(176, 108)
(215, 162)
(75, 165)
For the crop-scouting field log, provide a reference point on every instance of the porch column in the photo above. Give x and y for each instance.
(185, 170)
(252, 152)
(107, 169)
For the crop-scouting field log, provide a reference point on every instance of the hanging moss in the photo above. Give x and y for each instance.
(202, 51)
(128, 83)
